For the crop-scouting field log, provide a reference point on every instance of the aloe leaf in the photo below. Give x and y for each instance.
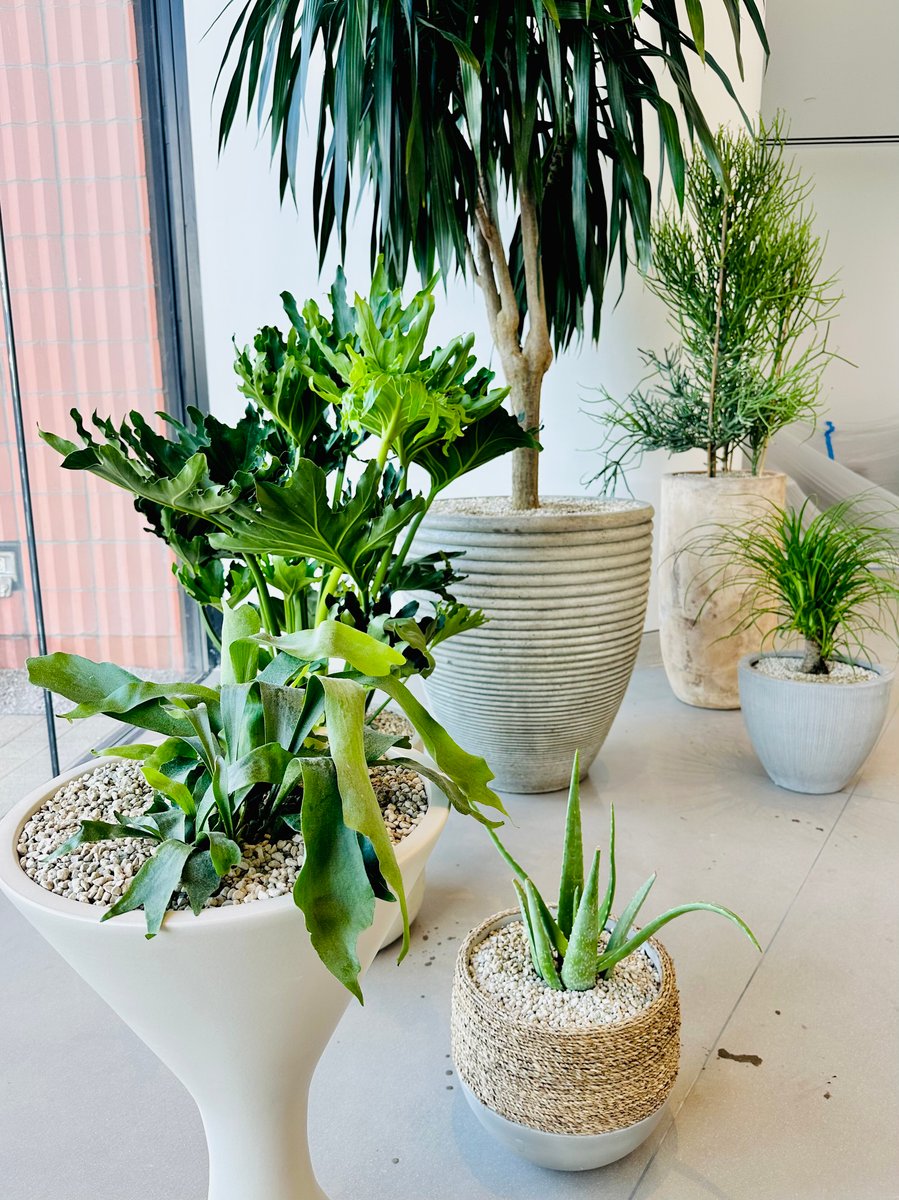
(332, 889)
(625, 921)
(345, 716)
(545, 960)
(572, 854)
(333, 639)
(581, 962)
(526, 921)
(559, 940)
(153, 885)
(609, 959)
(609, 898)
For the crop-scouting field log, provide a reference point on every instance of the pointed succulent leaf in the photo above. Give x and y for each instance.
(526, 922)
(559, 940)
(610, 958)
(543, 946)
(582, 957)
(608, 900)
(623, 925)
(572, 854)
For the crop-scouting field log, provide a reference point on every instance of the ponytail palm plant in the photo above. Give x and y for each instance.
(456, 114)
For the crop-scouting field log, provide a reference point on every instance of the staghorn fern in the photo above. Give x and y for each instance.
(565, 949)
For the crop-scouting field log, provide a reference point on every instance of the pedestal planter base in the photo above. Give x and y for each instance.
(812, 737)
(565, 589)
(235, 1002)
(563, 1151)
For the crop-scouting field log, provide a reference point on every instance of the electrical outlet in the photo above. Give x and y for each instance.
(10, 572)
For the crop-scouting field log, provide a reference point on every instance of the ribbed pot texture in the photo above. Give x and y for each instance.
(698, 611)
(812, 737)
(565, 589)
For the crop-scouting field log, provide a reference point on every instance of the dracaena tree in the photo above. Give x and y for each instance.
(456, 114)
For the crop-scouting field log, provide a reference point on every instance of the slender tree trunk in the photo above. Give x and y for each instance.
(716, 348)
(524, 362)
(812, 662)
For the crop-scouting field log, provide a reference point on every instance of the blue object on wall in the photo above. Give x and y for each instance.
(829, 429)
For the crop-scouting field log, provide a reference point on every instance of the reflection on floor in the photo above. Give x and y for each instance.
(810, 1114)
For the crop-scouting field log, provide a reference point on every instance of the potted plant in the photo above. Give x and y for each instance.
(740, 271)
(814, 713)
(455, 115)
(566, 1022)
(265, 785)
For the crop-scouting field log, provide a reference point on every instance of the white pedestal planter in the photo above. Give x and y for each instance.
(697, 615)
(812, 737)
(565, 588)
(569, 1099)
(235, 1002)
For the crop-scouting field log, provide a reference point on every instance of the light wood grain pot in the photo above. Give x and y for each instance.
(565, 588)
(566, 1099)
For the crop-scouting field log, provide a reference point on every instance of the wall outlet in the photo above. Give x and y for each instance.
(10, 568)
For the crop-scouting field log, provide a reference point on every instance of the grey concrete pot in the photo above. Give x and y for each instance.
(697, 610)
(565, 590)
(812, 737)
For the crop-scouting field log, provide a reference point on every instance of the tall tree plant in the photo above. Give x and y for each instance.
(456, 113)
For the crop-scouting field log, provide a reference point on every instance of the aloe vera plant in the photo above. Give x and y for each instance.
(565, 947)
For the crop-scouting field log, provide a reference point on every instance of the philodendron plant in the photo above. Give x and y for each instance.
(565, 949)
(281, 745)
(266, 507)
(828, 579)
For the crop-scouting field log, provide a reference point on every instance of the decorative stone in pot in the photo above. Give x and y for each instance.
(558, 1090)
(248, 1057)
(812, 732)
(700, 650)
(564, 588)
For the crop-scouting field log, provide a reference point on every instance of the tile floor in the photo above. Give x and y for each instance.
(87, 1113)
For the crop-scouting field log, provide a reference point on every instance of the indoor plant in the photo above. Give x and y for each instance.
(562, 1059)
(814, 713)
(280, 746)
(740, 272)
(454, 116)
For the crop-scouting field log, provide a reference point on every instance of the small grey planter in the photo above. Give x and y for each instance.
(565, 593)
(812, 737)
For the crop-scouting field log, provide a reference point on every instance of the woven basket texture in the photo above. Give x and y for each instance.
(577, 1081)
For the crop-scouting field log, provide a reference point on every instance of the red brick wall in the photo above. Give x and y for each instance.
(74, 194)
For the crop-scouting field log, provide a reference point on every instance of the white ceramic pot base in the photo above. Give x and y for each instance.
(562, 1151)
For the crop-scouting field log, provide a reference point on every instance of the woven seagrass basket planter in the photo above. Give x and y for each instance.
(567, 1099)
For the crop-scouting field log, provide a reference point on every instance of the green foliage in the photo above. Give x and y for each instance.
(264, 508)
(280, 745)
(565, 948)
(444, 106)
(829, 578)
(740, 272)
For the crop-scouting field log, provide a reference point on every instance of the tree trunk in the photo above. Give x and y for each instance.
(525, 403)
(812, 662)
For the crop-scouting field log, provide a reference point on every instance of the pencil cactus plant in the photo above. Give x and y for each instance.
(566, 949)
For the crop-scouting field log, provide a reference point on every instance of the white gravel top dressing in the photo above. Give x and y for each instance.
(501, 967)
(840, 672)
(100, 872)
(393, 723)
(501, 506)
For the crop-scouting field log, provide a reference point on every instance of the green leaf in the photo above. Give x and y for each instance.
(223, 852)
(240, 652)
(572, 854)
(611, 957)
(581, 962)
(332, 888)
(177, 792)
(481, 442)
(98, 831)
(199, 879)
(557, 937)
(625, 921)
(609, 898)
(697, 25)
(526, 921)
(542, 938)
(333, 639)
(154, 884)
(345, 717)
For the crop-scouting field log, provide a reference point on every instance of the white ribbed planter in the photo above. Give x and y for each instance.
(565, 589)
(235, 1002)
(810, 736)
(697, 615)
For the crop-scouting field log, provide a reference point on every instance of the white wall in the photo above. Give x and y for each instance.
(251, 249)
(837, 78)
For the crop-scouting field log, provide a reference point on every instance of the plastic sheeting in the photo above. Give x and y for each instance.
(865, 466)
